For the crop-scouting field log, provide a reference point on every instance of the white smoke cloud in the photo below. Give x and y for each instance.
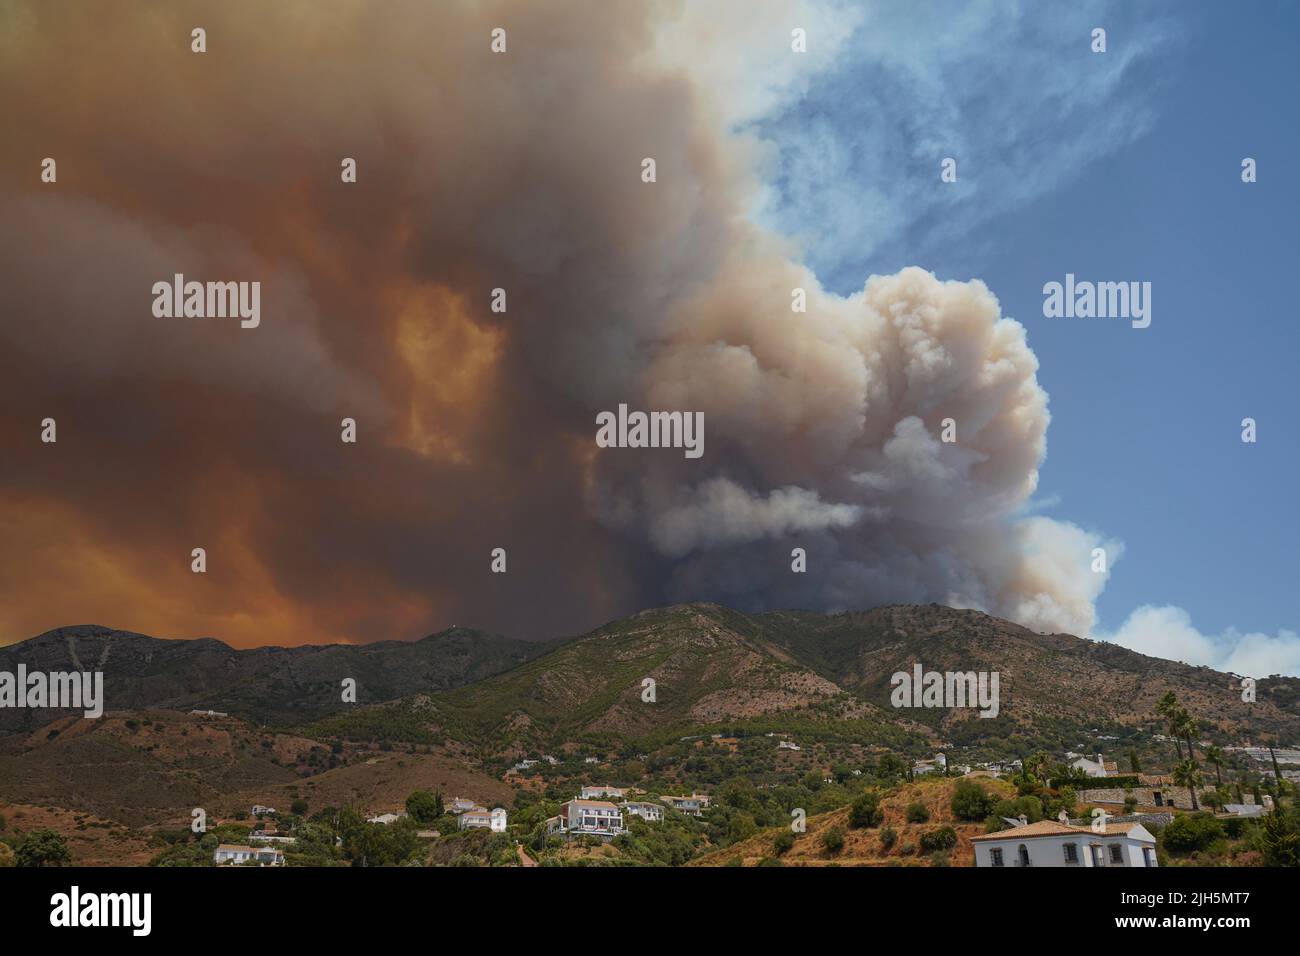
(1167, 632)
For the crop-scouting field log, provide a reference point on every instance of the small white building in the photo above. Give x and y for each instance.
(228, 854)
(498, 816)
(787, 745)
(385, 818)
(460, 805)
(261, 811)
(1096, 768)
(1050, 843)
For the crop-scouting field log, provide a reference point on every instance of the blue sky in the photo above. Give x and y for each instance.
(1116, 166)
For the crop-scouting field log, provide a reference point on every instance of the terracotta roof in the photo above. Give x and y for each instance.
(1051, 828)
(594, 803)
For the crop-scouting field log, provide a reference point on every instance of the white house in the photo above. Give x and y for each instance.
(460, 805)
(650, 812)
(692, 806)
(593, 793)
(261, 811)
(232, 853)
(476, 818)
(385, 818)
(1050, 843)
(1096, 768)
(480, 817)
(787, 745)
(588, 817)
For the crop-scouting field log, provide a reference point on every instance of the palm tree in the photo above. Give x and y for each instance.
(1215, 756)
(1188, 725)
(1167, 707)
(1188, 774)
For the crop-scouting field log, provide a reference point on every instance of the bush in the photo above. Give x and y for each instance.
(770, 861)
(43, 848)
(970, 801)
(1191, 831)
(833, 840)
(944, 838)
(888, 837)
(865, 811)
(917, 813)
(783, 843)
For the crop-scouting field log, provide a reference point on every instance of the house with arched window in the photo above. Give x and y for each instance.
(1049, 843)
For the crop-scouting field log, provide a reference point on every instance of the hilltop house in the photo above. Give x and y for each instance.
(580, 817)
(650, 812)
(234, 854)
(261, 811)
(460, 805)
(1096, 768)
(787, 745)
(1050, 843)
(593, 793)
(692, 806)
(385, 818)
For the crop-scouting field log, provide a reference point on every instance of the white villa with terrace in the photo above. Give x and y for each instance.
(587, 818)
(650, 812)
(1049, 843)
(692, 806)
(484, 819)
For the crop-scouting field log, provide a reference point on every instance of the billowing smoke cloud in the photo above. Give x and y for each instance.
(477, 171)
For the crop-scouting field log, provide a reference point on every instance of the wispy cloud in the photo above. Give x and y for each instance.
(1012, 92)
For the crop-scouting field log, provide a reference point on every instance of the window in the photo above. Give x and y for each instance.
(995, 857)
(1116, 853)
(1149, 856)
(1071, 854)
(1024, 855)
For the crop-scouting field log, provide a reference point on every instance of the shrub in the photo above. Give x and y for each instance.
(1191, 831)
(917, 813)
(783, 843)
(944, 838)
(888, 837)
(43, 848)
(970, 801)
(833, 840)
(865, 811)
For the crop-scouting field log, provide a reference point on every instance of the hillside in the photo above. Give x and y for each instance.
(271, 685)
(827, 675)
(865, 847)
